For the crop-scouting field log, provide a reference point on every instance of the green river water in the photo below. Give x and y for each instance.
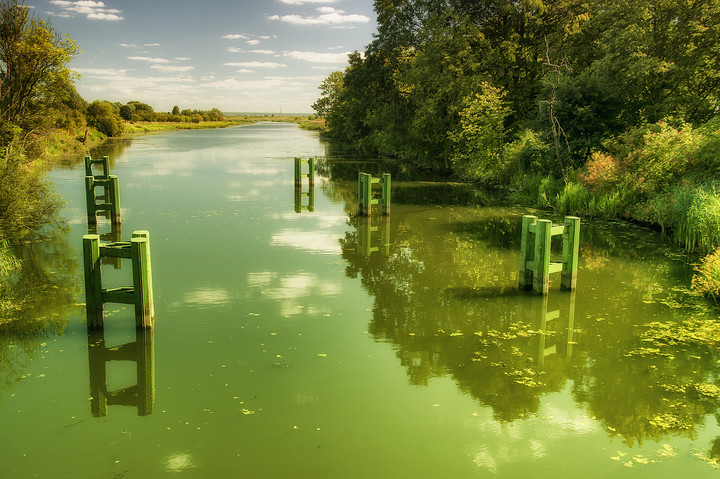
(316, 345)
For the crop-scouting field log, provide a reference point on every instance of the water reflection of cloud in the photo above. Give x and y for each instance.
(257, 184)
(179, 462)
(207, 297)
(255, 170)
(288, 289)
(316, 242)
(531, 438)
(323, 221)
(176, 166)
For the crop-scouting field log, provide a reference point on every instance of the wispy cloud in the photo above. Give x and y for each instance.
(150, 59)
(236, 36)
(101, 72)
(170, 68)
(256, 65)
(328, 16)
(241, 50)
(316, 57)
(91, 9)
(303, 2)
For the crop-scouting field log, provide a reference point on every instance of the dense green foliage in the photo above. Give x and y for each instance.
(575, 73)
(595, 108)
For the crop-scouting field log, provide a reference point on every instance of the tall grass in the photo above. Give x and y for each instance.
(706, 280)
(27, 201)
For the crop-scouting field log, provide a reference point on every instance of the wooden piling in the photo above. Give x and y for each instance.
(535, 265)
(310, 175)
(142, 279)
(527, 252)
(140, 294)
(386, 193)
(93, 283)
(299, 175)
(571, 252)
(111, 198)
(365, 197)
(541, 264)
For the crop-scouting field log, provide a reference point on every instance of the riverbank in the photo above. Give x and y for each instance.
(143, 127)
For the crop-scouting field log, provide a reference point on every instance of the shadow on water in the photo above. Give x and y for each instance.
(444, 283)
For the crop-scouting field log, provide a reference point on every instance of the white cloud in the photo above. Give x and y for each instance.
(128, 45)
(256, 64)
(91, 9)
(182, 59)
(245, 70)
(303, 2)
(170, 68)
(316, 57)
(100, 72)
(150, 59)
(253, 42)
(328, 16)
(235, 36)
(240, 50)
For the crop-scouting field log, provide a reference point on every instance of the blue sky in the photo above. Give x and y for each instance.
(250, 56)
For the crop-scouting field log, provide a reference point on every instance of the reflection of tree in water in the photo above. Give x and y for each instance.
(446, 298)
(43, 294)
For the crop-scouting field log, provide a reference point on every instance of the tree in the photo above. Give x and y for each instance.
(103, 116)
(480, 135)
(127, 111)
(176, 110)
(330, 93)
(33, 59)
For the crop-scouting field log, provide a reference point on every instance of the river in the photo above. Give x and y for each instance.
(307, 342)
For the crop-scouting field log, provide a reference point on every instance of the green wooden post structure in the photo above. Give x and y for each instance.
(111, 237)
(365, 193)
(310, 175)
(535, 264)
(140, 395)
(110, 199)
(299, 194)
(140, 294)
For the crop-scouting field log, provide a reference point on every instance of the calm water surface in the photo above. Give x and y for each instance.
(316, 344)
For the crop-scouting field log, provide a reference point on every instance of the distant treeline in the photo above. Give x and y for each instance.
(108, 117)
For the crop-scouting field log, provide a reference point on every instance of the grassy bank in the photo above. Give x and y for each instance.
(142, 127)
(662, 175)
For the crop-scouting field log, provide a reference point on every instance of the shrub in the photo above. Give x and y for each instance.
(706, 280)
(603, 173)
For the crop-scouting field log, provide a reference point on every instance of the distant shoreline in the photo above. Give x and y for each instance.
(306, 122)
